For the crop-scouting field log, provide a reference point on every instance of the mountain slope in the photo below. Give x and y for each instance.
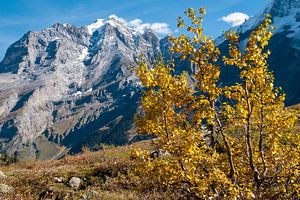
(284, 45)
(105, 174)
(69, 86)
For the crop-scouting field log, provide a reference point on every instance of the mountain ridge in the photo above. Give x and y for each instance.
(71, 86)
(284, 45)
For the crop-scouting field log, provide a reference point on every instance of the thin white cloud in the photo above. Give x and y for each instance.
(235, 18)
(136, 24)
(159, 28)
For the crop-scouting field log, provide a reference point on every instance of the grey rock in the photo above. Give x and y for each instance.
(59, 179)
(67, 87)
(75, 183)
(5, 189)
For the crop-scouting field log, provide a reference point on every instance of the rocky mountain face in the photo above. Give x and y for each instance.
(66, 87)
(284, 45)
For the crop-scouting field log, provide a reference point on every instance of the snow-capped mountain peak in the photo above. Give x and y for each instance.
(284, 44)
(283, 12)
(94, 26)
(66, 85)
(113, 20)
(285, 15)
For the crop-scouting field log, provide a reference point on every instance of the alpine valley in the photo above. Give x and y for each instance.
(66, 87)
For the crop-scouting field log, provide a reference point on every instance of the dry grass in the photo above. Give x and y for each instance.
(297, 109)
(105, 175)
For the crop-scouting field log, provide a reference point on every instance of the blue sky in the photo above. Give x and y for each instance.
(19, 16)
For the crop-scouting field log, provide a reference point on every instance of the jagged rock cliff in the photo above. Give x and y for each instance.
(69, 86)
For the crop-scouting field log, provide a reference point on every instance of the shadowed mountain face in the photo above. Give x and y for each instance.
(69, 86)
(284, 45)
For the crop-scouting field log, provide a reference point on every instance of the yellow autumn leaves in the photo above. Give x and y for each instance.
(213, 142)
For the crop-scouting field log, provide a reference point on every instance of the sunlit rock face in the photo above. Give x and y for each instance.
(284, 45)
(69, 87)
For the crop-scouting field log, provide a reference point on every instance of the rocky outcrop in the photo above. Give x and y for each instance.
(66, 87)
(75, 183)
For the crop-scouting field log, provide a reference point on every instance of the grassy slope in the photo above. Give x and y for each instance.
(297, 108)
(104, 176)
